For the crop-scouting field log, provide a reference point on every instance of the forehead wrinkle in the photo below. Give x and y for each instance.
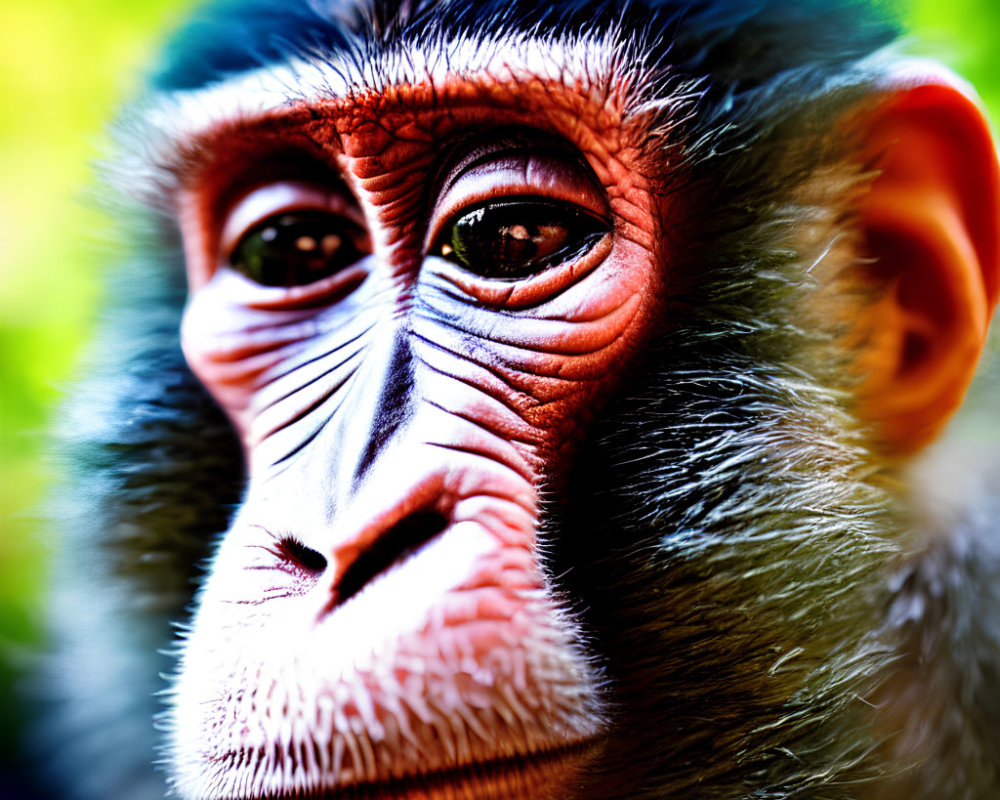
(155, 143)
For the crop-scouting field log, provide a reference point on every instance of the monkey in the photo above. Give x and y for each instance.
(505, 400)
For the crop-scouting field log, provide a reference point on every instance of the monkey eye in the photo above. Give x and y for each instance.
(298, 247)
(518, 237)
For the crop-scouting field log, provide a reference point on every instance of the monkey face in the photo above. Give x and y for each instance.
(409, 314)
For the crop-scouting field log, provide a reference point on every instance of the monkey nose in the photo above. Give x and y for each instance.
(423, 527)
(361, 560)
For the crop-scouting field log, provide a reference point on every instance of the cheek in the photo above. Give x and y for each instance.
(219, 356)
(245, 342)
(554, 361)
(608, 319)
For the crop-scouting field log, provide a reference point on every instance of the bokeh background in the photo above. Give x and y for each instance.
(64, 67)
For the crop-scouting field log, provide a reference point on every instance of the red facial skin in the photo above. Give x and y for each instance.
(404, 384)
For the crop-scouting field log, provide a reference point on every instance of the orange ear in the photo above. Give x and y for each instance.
(930, 221)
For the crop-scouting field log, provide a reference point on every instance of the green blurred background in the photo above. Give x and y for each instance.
(64, 66)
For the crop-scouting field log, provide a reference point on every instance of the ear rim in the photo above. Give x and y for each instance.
(946, 210)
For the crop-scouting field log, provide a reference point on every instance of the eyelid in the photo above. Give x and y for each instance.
(511, 175)
(273, 198)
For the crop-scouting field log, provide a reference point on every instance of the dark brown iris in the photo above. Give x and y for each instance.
(298, 247)
(518, 238)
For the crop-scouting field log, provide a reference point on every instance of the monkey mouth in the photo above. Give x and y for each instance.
(481, 686)
(542, 775)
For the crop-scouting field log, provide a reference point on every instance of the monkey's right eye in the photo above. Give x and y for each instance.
(298, 247)
(516, 205)
(519, 237)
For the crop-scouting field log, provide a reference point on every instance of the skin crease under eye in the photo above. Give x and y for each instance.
(516, 174)
(274, 198)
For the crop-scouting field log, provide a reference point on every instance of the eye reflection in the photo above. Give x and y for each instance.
(520, 237)
(296, 248)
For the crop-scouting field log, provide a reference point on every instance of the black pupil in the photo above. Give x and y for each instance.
(297, 248)
(518, 238)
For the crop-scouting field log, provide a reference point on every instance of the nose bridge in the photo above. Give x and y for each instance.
(376, 467)
(379, 400)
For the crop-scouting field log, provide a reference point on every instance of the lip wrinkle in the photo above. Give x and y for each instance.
(525, 773)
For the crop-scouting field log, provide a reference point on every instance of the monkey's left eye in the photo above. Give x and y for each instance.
(298, 247)
(516, 238)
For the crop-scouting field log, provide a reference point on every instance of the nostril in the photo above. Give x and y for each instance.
(305, 558)
(393, 547)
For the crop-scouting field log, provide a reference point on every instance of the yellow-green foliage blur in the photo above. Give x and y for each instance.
(64, 67)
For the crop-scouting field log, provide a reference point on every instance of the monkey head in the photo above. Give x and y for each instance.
(571, 354)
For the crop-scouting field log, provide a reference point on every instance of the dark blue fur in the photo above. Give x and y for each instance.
(741, 43)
